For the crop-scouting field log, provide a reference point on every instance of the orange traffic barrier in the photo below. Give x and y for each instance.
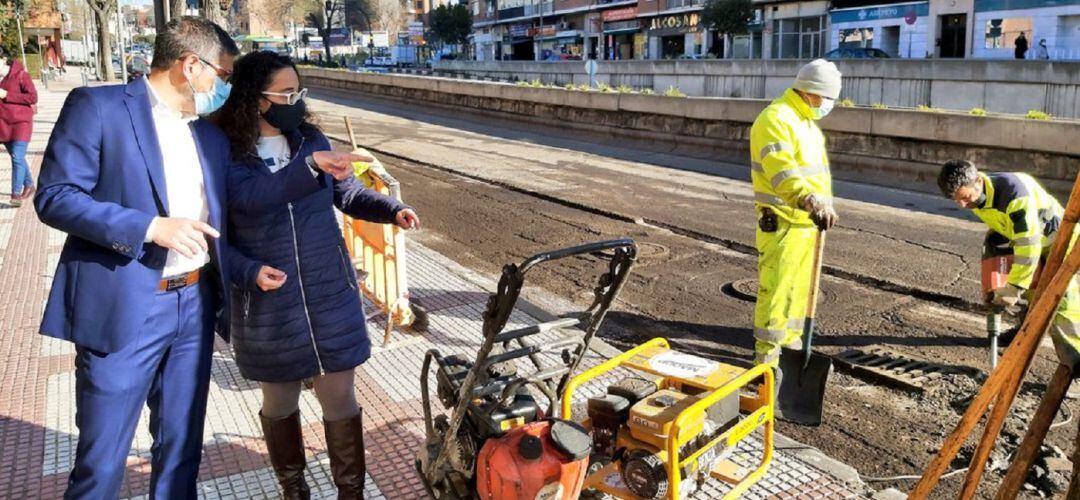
(378, 254)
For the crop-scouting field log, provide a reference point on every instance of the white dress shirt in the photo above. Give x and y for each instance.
(183, 177)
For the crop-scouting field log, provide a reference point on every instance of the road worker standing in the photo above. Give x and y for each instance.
(793, 201)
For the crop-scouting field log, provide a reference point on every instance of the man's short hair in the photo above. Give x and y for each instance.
(191, 35)
(956, 174)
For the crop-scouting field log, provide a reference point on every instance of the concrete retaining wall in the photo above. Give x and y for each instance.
(890, 147)
(997, 86)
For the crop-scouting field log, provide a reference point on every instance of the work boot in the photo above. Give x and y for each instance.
(345, 445)
(285, 444)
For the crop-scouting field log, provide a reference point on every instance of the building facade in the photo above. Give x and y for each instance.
(553, 30)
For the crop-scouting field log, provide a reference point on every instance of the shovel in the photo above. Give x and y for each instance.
(804, 373)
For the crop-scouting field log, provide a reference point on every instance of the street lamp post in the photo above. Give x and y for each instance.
(22, 41)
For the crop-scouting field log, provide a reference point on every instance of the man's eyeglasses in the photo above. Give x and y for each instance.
(222, 73)
(290, 97)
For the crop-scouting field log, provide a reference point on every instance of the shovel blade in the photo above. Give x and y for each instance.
(802, 390)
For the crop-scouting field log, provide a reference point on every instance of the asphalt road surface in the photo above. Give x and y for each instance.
(901, 267)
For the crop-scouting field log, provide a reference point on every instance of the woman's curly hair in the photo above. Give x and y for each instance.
(239, 116)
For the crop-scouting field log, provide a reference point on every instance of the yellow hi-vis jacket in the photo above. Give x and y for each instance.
(788, 159)
(1018, 208)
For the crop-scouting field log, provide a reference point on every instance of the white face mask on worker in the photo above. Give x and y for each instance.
(825, 108)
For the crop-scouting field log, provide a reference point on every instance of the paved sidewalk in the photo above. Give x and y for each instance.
(38, 435)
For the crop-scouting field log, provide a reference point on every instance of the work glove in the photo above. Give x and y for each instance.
(3, 94)
(1007, 296)
(821, 211)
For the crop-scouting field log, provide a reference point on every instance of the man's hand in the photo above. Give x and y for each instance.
(186, 236)
(270, 279)
(1008, 296)
(338, 164)
(407, 219)
(821, 211)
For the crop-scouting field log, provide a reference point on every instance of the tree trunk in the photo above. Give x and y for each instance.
(177, 7)
(326, 44)
(215, 11)
(104, 46)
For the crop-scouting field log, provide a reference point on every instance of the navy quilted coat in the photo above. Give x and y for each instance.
(314, 323)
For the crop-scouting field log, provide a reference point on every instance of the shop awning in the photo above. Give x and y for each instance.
(562, 35)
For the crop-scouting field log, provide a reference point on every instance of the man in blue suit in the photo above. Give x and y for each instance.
(138, 183)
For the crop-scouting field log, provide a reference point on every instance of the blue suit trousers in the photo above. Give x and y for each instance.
(167, 368)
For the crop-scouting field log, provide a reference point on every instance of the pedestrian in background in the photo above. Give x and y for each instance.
(298, 313)
(18, 101)
(1041, 52)
(1021, 46)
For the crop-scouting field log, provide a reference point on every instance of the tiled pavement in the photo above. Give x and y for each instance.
(38, 435)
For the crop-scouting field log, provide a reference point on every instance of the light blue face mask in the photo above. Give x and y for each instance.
(823, 110)
(209, 101)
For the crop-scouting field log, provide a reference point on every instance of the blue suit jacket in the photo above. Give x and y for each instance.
(102, 181)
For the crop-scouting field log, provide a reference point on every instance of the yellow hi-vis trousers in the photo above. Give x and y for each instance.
(785, 266)
(1065, 328)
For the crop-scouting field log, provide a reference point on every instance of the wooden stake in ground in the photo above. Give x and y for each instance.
(1037, 429)
(1018, 356)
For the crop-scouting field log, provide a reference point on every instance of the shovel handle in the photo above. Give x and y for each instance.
(811, 306)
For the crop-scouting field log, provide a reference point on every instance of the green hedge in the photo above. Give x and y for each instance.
(33, 65)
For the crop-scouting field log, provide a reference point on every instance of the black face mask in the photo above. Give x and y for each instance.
(284, 117)
(980, 200)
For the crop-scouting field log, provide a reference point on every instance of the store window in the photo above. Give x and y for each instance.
(856, 38)
(671, 47)
(746, 46)
(798, 38)
(676, 4)
(1002, 33)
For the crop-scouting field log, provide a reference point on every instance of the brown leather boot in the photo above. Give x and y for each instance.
(345, 445)
(285, 444)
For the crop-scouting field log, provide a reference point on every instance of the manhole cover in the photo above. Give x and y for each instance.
(745, 289)
(893, 369)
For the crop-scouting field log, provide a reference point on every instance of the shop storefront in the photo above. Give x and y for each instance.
(998, 23)
(796, 30)
(621, 27)
(676, 36)
(594, 36)
(518, 44)
(484, 46)
(900, 30)
(562, 45)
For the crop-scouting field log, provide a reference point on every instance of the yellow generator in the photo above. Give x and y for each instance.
(663, 431)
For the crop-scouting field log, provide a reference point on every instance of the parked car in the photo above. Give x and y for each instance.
(857, 53)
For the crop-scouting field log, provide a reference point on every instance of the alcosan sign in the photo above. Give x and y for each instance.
(674, 22)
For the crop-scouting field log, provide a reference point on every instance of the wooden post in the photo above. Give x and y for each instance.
(352, 137)
(989, 438)
(1037, 429)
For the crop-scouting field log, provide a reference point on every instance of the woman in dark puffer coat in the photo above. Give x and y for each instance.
(297, 312)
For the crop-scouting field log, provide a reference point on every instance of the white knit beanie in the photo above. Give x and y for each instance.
(819, 77)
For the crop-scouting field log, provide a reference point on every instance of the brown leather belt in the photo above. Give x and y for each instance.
(179, 281)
